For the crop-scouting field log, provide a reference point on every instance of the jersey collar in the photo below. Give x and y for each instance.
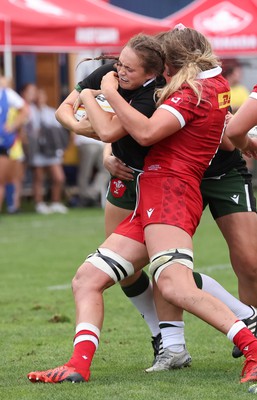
(149, 81)
(210, 73)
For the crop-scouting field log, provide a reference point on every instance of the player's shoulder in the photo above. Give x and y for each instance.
(93, 80)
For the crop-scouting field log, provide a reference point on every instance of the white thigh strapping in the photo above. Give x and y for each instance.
(164, 259)
(111, 263)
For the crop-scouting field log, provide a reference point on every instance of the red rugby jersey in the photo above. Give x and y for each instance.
(189, 151)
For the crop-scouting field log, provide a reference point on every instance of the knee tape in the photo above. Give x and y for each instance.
(164, 259)
(111, 263)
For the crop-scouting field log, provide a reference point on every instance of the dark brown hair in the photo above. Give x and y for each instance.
(148, 49)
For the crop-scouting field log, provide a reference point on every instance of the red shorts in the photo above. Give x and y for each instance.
(164, 200)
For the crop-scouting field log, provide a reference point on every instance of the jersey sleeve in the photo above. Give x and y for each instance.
(253, 95)
(182, 105)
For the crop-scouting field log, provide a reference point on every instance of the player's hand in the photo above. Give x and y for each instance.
(110, 80)
(76, 104)
(94, 92)
(228, 117)
(117, 168)
(250, 150)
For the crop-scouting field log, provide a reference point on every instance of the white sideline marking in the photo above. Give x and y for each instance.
(59, 287)
(211, 268)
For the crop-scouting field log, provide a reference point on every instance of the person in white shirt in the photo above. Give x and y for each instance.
(41, 163)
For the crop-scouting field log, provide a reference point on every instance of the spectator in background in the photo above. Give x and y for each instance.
(15, 176)
(41, 164)
(92, 177)
(232, 71)
(12, 117)
(70, 167)
(16, 173)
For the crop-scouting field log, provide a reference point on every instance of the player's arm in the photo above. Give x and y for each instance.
(115, 166)
(105, 124)
(146, 131)
(239, 125)
(226, 144)
(65, 115)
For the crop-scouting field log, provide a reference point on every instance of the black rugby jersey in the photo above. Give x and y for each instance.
(223, 162)
(142, 99)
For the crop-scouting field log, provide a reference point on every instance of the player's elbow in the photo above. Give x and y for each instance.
(144, 142)
(109, 135)
(145, 135)
(104, 133)
(145, 139)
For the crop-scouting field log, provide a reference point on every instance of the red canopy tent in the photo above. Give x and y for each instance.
(66, 25)
(229, 25)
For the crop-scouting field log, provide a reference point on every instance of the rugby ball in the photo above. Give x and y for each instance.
(253, 132)
(101, 100)
(80, 113)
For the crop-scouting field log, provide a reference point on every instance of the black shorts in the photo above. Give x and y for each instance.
(230, 193)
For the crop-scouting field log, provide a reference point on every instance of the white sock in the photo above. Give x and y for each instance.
(235, 328)
(145, 305)
(173, 335)
(241, 310)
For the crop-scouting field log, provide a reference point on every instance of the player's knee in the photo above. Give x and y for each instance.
(80, 279)
(249, 274)
(246, 269)
(169, 290)
(88, 279)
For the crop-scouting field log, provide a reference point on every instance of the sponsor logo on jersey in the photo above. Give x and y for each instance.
(176, 100)
(117, 188)
(154, 167)
(224, 99)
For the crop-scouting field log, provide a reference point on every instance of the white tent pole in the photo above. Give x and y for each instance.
(8, 63)
(8, 68)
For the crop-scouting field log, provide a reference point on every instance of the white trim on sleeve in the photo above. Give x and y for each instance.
(253, 95)
(175, 112)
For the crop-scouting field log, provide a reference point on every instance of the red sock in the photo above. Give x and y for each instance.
(246, 342)
(85, 344)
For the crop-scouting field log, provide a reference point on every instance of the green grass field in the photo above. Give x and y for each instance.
(38, 258)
